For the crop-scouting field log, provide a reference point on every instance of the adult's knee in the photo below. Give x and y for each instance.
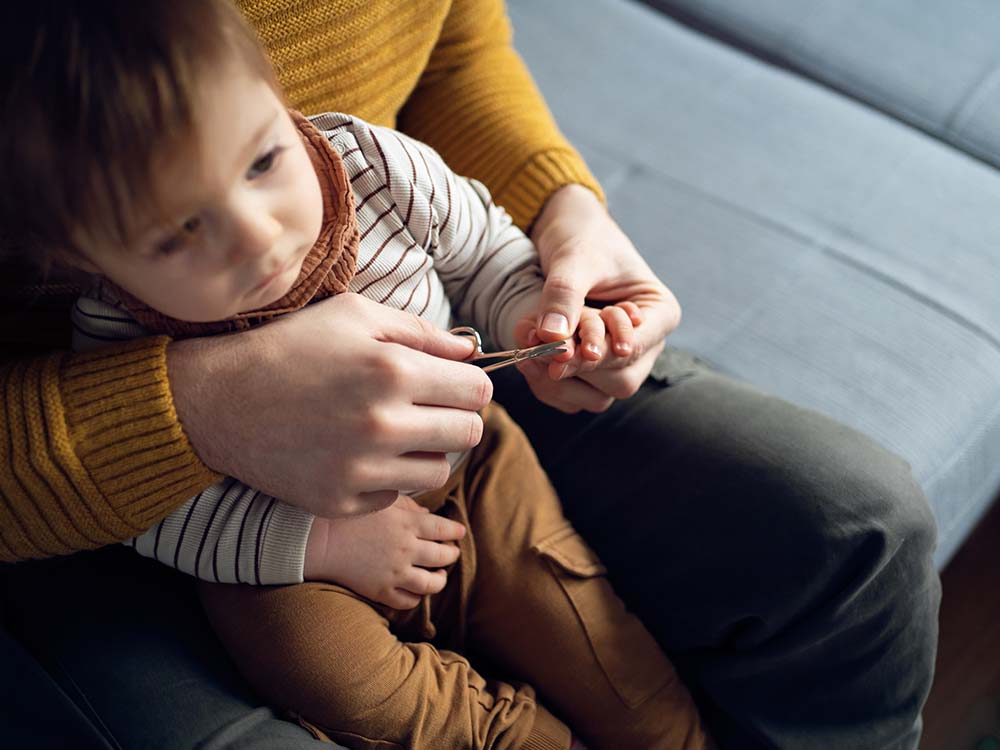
(870, 505)
(864, 535)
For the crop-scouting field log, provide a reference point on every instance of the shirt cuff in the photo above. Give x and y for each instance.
(283, 549)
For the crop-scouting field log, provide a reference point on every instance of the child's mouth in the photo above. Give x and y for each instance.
(271, 278)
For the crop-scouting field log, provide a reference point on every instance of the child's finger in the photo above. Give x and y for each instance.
(423, 582)
(408, 503)
(591, 334)
(439, 529)
(633, 310)
(621, 329)
(434, 554)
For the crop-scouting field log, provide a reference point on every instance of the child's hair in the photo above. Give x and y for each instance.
(90, 90)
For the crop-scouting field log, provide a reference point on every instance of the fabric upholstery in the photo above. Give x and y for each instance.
(934, 65)
(821, 250)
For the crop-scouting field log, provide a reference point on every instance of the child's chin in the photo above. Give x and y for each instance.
(268, 296)
(272, 294)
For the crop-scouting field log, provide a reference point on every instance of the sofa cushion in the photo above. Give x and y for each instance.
(821, 250)
(934, 65)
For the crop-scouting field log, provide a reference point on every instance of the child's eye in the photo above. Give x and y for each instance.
(263, 164)
(178, 240)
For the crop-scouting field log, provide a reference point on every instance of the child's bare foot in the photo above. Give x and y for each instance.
(605, 337)
(394, 556)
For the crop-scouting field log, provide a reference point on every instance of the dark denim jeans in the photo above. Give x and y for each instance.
(784, 560)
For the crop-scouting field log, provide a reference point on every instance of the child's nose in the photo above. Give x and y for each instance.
(258, 232)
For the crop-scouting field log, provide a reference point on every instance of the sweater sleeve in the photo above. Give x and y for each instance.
(93, 449)
(478, 106)
(228, 532)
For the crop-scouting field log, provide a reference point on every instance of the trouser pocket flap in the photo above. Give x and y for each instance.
(628, 655)
(567, 549)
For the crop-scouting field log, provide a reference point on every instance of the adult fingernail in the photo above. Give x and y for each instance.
(556, 323)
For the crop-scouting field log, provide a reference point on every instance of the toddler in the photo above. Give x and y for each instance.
(162, 161)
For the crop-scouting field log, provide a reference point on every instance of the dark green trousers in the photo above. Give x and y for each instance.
(784, 560)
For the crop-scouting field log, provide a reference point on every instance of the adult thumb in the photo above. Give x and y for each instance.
(562, 300)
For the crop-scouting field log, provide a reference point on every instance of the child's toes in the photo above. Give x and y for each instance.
(591, 334)
(620, 327)
(634, 313)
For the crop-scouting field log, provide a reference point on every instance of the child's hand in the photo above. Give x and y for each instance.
(604, 338)
(394, 556)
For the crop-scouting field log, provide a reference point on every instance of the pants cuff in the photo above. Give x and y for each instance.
(547, 733)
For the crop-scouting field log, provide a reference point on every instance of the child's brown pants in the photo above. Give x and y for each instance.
(528, 596)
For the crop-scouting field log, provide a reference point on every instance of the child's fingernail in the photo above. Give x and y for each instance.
(623, 348)
(592, 348)
(556, 323)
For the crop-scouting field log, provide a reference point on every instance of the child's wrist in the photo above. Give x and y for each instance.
(314, 566)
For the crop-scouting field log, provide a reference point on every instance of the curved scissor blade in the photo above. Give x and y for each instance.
(520, 355)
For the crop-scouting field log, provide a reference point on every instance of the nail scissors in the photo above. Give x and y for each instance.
(508, 357)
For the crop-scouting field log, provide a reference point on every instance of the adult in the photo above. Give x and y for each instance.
(783, 559)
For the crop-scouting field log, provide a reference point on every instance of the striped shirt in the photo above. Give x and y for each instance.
(431, 243)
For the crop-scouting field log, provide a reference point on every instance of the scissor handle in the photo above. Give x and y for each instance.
(469, 332)
(504, 358)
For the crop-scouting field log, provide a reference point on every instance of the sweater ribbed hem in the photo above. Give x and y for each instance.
(121, 423)
(547, 733)
(546, 172)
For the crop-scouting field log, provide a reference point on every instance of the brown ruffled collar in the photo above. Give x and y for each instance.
(327, 269)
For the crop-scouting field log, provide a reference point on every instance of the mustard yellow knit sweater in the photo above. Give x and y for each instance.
(91, 451)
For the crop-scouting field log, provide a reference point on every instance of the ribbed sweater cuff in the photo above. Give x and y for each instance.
(283, 551)
(120, 419)
(544, 173)
(547, 733)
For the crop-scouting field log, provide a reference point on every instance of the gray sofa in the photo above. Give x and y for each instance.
(818, 183)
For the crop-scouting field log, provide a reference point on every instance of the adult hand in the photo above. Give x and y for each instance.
(586, 256)
(333, 408)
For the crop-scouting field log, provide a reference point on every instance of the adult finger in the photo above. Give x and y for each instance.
(569, 396)
(433, 381)
(416, 472)
(357, 505)
(436, 429)
(624, 382)
(414, 332)
(563, 295)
